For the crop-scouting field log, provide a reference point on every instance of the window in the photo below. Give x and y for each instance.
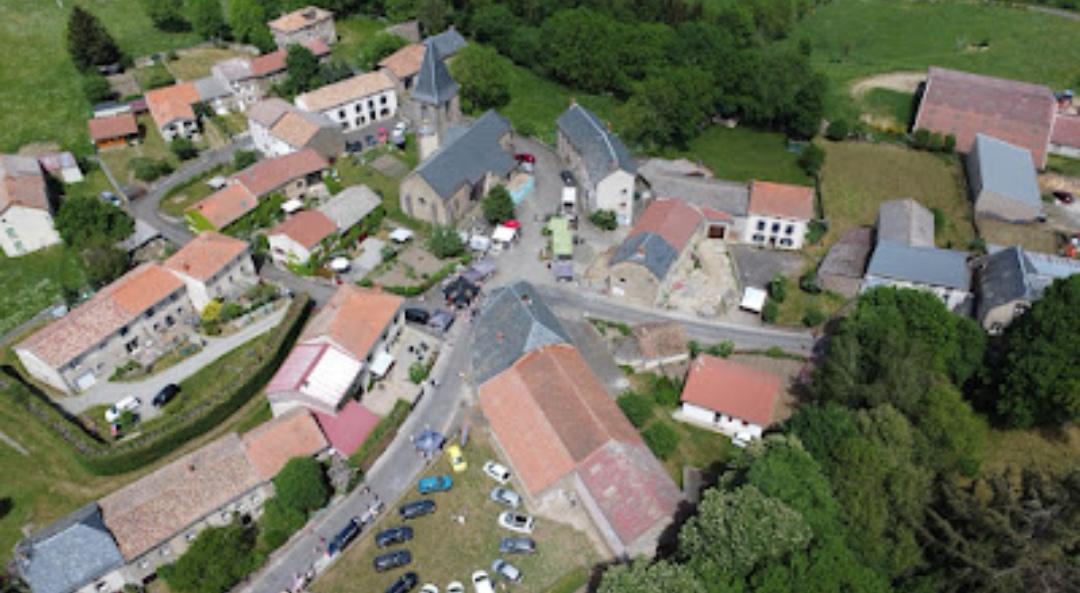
(149, 312)
(758, 238)
(776, 227)
(341, 114)
(169, 321)
(11, 232)
(761, 225)
(382, 100)
(124, 331)
(422, 200)
(132, 346)
(785, 242)
(789, 229)
(371, 104)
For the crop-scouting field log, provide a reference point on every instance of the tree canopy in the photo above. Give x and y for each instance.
(379, 46)
(206, 18)
(85, 220)
(247, 19)
(498, 205)
(167, 15)
(482, 75)
(301, 485)
(88, 42)
(216, 561)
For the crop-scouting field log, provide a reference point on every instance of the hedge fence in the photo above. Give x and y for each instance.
(102, 458)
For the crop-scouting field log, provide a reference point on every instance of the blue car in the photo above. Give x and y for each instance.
(435, 484)
(344, 537)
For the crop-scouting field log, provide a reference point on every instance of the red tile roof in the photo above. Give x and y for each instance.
(22, 182)
(300, 18)
(672, 219)
(229, 203)
(731, 388)
(1066, 131)
(964, 104)
(274, 62)
(308, 228)
(347, 429)
(549, 413)
(780, 199)
(272, 445)
(116, 126)
(406, 61)
(171, 103)
(113, 307)
(354, 319)
(269, 175)
(206, 255)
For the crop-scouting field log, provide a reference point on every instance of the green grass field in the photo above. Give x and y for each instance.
(743, 154)
(352, 33)
(39, 86)
(444, 550)
(852, 39)
(180, 198)
(858, 176)
(35, 281)
(118, 159)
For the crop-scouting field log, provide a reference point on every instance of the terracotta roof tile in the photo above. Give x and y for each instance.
(104, 314)
(158, 506)
(672, 219)
(1066, 131)
(295, 129)
(206, 255)
(350, 89)
(226, 205)
(171, 103)
(406, 61)
(354, 319)
(116, 126)
(781, 199)
(269, 175)
(347, 429)
(307, 228)
(964, 104)
(732, 388)
(274, 62)
(272, 445)
(22, 182)
(300, 19)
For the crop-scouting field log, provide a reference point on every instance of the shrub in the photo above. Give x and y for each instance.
(604, 220)
(661, 439)
(445, 242)
(301, 485)
(636, 407)
(937, 142)
(921, 139)
(813, 316)
(244, 159)
(939, 220)
(498, 205)
(418, 371)
(277, 524)
(815, 231)
(812, 159)
(216, 561)
(770, 311)
(183, 148)
(665, 391)
(808, 282)
(96, 88)
(230, 311)
(778, 288)
(838, 130)
(949, 144)
(148, 169)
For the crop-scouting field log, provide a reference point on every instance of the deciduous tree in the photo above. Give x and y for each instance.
(482, 75)
(206, 18)
(301, 485)
(216, 561)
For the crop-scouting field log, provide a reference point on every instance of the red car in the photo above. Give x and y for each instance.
(524, 157)
(1064, 196)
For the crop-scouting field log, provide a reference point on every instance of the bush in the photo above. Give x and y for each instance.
(661, 439)
(838, 130)
(301, 485)
(244, 159)
(815, 231)
(808, 282)
(778, 288)
(418, 371)
(949, 144)
(921, 139)
(604, 220)
(937, 142)
(96, 88)
(813, 316)
(445, 242)
(770, 311)
(498, 205)
(216, 561)
(939, 220)
(812, 159)
(148, 169)
(183, 148)
(277, 524)
(665, 391)
(637, 408)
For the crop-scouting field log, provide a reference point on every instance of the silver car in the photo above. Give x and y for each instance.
(518, 522)
(506, 570)
(506, 497)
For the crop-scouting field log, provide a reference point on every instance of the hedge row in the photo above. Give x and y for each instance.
(103, 459)
(380, 436)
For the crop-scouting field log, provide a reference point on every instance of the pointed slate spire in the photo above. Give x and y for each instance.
(434, 86)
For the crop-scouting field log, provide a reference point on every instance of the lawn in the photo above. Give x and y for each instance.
(35, 281)
(1056, 451)
(444, 550)
(182, 197)
(154, 76)
(742, 154)
(889, 109)
(352, 33)
(118, 159)
(797, 302)
(1063, 165)
(195, 63)
(39, 87)
(350, 172)
(858, 176)
(852, 39)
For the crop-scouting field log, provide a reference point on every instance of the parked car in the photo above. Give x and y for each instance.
(517, 545)
(518, 522)
(455, 587)
(525, 157)
(441, 320)
(497, 471)
(352, 146)
(506, 570)
(417, 508)
(394, 535)
(344, 537)
(404, 583)
(1064, 197)
(457, 459)
(128, 404)
(568, 178)
(505, 497)
(391, 560)
(435, 484)
(401, 127)
(165, 395)
(481, 583)
(417, 315)
(429, 588)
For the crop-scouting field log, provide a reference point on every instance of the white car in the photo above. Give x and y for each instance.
(481, 583)
(455, 587)
(429, 588)
(497, 471)
(128, 404)
(506, 570)
(519, 522)
(505, 497)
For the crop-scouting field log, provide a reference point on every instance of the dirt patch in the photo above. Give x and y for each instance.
(411, 267)
(1035, 236)
(902, 82)
(124, 84)
(1050, 182)
(390, 166)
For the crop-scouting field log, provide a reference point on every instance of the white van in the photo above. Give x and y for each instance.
(128, 404)
(481, 582)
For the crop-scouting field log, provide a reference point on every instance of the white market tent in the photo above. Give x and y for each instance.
(401, 235)
(291, 206)
(503, 234)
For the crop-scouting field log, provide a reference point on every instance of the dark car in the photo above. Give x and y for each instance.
(567, 178)
(404, 583)
(165, 395)
(417, 508)
(392, 560)
(441, 320)
(517, 545)
(344, 537)
(417, 315)
(1064, 197)
(353, 146)
(394, 535)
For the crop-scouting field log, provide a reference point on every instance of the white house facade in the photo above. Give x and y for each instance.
(355, 102)
(778, 215)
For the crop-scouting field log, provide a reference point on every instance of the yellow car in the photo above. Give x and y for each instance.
(457, 460)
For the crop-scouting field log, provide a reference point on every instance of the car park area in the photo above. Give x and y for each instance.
(461, 538)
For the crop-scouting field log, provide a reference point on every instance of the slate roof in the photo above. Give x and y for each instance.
(469, 157)
(660, 235)
(434, 85)
(210, 88)
(905, 221)
(1006, 169)
(668, 180)
(69, 553)
(920, 265)
(964, 104)
(513, 321)
(1013, 274)
(447, 43)
(601, 151)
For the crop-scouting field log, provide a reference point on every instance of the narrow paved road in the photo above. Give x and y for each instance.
(392, 476)
(108, 392)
